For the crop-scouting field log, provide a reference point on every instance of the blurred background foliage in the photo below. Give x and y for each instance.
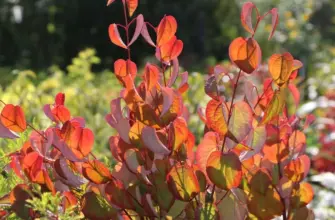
(51, 46)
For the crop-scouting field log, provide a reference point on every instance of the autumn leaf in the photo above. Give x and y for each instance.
(245, 53)
(166, 29)
(224, 170)
(12, 117)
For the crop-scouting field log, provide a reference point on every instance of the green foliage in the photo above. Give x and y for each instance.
(87, 93)
(48, 206)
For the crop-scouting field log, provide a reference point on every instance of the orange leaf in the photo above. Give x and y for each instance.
(166, 29)
(170, 50)
(275, 107)
(151, 76)
(81, 141)
(224, 170)
(207, 145)
(132, 5)
(245, 53)
(96, 172)
(125, 72)
(115, 37)
(179, 133)
(215, 112)
(276, 152)
(69, 199)
(297, 169)
(297, 141)
(182, 182)
(12, 117)
(281, 66)
(302, 196)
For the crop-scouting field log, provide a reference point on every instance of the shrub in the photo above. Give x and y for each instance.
(249, 164)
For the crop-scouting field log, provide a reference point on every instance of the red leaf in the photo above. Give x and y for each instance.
(60, 113)
(60, 99)
(295, 93)
(246, 16)
(12, 117)
(115, 37)
(166, 29)
(183, 84)
(138, 29)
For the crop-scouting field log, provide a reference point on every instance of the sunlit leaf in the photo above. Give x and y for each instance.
(207, 145)
(151, 76)
(296, 170)
(215, 114)
(245, 54)
(115, 37)
(125, 72)
(179, 132)
(224, 170)
(110, 2)
(132, 5)
(276, 152)
(12, 117)
(281, 66)
(170, 50)
(275, 107)
(96, 172)
(301, 196)
(183, 183)
(241, 119)
(166, 30)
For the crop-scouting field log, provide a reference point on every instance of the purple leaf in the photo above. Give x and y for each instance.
(6, 133)
(175, 72)
(117, 121)
(146, 35)
(152, 142)
(138, 29)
